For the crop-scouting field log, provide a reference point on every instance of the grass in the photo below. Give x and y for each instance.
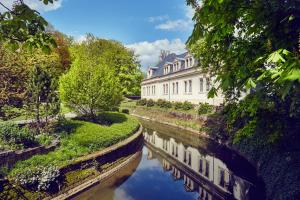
(165, 116)
(84, 138)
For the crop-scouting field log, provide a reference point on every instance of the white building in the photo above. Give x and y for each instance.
(177, 78)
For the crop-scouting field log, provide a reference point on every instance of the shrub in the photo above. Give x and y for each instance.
(40, 178)
(150, 103)
(12, 135)
(187, 105)
(163, 103)
(142, 102)
(178, 105)
(126, 111)
(205, 108)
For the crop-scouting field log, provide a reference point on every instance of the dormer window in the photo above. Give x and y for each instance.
(189, 62)
(167, 69)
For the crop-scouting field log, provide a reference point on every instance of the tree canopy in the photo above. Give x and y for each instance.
(91, 84)
(120, 59)
(252, 47)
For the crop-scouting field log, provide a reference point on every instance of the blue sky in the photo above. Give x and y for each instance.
(146, 26)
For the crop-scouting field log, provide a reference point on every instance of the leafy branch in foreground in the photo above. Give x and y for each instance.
(23, 25)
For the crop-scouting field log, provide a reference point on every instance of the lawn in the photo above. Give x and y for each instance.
(81, 138)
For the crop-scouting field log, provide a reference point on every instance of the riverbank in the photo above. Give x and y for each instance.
(79, 151)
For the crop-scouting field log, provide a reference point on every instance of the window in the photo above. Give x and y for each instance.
(190, 86)
(176, 87)
(185, 86)
(222, 177)
(154, 89)
(201, 84)
(164, 89)
(207, 169)
(167, 89)
(173, 88)
(201, 166)
(207, 84)
(191, 62)
(176, 151)
(187, 63)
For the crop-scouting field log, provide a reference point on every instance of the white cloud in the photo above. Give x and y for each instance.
(158, 18)
(34, 4)
(148, 52)
(184, 24)
(80, 38)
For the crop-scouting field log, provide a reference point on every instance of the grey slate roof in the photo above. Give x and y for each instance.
(158, 70)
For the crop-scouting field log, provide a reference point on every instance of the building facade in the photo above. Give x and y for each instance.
(177, 78)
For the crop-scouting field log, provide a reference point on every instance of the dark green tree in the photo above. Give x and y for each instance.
(42, 100)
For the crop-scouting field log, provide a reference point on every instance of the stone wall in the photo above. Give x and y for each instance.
(9, 158)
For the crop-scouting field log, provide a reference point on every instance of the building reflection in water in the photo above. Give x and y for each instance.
(205, 174)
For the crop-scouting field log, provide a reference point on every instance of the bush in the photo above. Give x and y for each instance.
(177, 105)
(12, 135)
(205, 108)
(150, 103)
(40, 178)
(187, 105)
(126, 111)
(141, 102)
(163, 103)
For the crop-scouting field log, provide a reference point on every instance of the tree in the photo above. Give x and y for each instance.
(252, 46)
(42, 98)
(248, 43)
(117, 57)
(90, 85)
(12, 76)
(22, 25)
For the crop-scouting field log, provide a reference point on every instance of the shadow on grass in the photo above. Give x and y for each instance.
(105, 118)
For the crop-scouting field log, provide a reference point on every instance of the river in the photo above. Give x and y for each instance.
(175, 164)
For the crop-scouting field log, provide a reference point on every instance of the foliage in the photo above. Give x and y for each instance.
(187, 105)
(121, 60)
(40, 178)
(12, 76)
(141, 102)
(84, 137)
(178, 105)
(163, 103)
(42, 95)
(205, 108)
(22, 25)
(11, 134)
(125, 111)
(150, 103)
(90, 85)
(251, 47)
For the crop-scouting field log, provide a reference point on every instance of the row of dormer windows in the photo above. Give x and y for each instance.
(188, 62)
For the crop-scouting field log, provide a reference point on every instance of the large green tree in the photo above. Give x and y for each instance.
(252, 46)
(90, 85)
(120, 59)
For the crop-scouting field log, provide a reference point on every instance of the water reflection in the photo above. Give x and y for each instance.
(177, 167)
(203, 173)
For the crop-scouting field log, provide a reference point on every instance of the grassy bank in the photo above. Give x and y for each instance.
(83, 138)
(79, 137)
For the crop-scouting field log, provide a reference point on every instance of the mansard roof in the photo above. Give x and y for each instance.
(158, 70)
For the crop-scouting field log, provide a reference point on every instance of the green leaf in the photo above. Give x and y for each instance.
(250, 83)
(293, 75)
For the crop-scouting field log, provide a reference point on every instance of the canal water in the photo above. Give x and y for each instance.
(174, 164)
